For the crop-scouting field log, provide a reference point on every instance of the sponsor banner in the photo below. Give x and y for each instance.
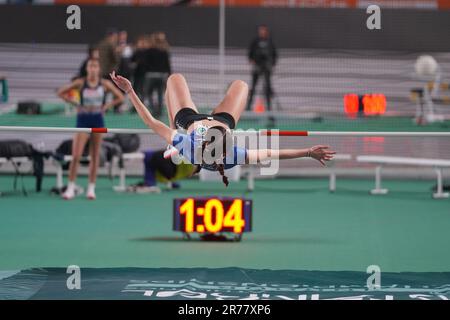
(311, 3)
(81, 2)
(412, 4)
(220, 284)
(405, 4)
(400, 4)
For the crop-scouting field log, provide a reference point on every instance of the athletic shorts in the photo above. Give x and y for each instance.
(187, 116)
(90, 120)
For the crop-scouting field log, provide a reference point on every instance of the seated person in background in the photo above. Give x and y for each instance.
(159, 169)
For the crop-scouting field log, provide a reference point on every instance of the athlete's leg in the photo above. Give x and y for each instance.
(234, 101)
(169, 113)
(177, 96)
(78, 144)
(94, 151)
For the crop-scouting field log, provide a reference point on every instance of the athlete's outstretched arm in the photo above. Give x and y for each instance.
(320, 153)
(157, 126)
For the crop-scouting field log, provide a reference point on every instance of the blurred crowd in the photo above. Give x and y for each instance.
(146, 62)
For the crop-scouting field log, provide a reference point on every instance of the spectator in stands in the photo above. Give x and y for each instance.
(109, 57)
(158, 70)
(139, 63)
(262, 55)
(93, 53)
(125, 52)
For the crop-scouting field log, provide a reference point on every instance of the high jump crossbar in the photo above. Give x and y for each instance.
(262, 132)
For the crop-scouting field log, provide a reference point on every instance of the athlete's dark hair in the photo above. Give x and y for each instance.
(223, 139)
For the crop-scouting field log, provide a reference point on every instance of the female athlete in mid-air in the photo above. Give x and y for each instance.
(90, 110)
(197, 141)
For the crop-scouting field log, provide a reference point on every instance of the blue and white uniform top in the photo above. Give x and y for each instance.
(93, 98)
(189, 146)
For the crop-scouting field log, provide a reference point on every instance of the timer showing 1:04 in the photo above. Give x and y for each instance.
(212, 215)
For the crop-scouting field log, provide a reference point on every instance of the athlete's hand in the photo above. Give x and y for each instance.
(121, 82)
(72, 101)
(321, 153)
(106, 107)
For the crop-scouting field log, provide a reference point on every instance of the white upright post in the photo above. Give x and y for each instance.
(122, 187)
(378, 189)
(332, 176)
(332, 185)
(59, 176)
(251, 179)
(440, 194)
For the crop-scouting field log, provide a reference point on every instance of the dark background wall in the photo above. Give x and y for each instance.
(416, 30)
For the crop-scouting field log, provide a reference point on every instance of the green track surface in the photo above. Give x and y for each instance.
(298, 225)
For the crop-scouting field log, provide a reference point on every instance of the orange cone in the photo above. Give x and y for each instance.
(259, 106)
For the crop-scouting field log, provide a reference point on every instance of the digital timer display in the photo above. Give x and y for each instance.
(212, 215)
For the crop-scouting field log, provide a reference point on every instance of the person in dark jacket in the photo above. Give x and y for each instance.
(139, 62)
(158, 70)
(262, 55)
(126, 53)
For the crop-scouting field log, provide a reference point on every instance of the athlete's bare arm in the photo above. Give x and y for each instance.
(320, 153)
(157, 126)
